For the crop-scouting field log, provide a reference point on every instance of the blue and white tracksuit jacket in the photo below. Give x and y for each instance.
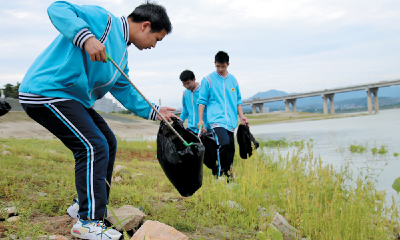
(62, 85)
(221, 96)
(64, 70)
(190, 109)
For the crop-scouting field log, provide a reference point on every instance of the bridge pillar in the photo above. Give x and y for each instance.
(254, 106)
(325, 97)
(369, 99)
(290, 101)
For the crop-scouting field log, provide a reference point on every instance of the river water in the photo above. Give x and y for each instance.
(333, 137)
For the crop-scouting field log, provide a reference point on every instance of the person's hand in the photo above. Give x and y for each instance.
(243, 120)
(165, 112)
(201, 123)
(95, 49)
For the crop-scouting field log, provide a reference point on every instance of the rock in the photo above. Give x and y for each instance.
(12, 219)
(5, 146)
(165, 199)
(10, 211)
(58, 237)
(158, 231)
(52, 151)
(148, 166)
(6, 152)
(138, 175)
(42, 194)
(232, 204)
(134, 215)
(52, 237)
(148, 146)
(118, 168)
(29, 157)
(118, 179)
(288, 232)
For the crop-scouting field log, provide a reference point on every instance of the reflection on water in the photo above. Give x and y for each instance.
(333, 137)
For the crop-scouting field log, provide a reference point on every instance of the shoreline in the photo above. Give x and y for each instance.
(18, 125)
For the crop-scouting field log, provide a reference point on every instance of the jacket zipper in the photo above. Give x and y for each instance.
(226, 113)
(194, 113)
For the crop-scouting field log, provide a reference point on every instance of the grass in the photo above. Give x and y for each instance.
(320, 201)
(282, 143)
(357, 148)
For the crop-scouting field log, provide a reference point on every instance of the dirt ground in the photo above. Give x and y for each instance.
(18, 125)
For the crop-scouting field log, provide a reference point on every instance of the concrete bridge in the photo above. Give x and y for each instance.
(370, 88)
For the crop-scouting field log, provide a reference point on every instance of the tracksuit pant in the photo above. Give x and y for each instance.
(226, 143)
(93, 144)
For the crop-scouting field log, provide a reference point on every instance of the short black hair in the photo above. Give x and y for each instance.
(187, 75)
(222, 57)
(154, 13)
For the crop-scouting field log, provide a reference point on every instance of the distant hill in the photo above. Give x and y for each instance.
(385, 94)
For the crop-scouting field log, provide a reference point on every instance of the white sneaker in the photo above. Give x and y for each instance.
(86, 229)
(73, 209)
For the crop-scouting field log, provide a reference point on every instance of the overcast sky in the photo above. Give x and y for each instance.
(289, 45)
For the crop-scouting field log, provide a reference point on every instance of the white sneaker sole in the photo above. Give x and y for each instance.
(91, 235)
(96, 237)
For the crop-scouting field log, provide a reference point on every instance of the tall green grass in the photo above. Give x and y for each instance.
(320, 201)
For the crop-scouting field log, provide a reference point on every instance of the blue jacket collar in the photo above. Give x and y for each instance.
(227, 74)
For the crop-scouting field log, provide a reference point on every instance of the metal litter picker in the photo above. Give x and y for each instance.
(151, 105)
(181, 162)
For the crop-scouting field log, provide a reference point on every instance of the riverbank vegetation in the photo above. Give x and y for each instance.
(37, 177)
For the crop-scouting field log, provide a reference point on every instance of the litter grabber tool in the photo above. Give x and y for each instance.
(151, 105)
(201, 128)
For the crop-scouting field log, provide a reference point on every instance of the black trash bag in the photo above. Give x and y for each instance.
(4, 107)
(245, 138)
(211, 153)
(182, 165)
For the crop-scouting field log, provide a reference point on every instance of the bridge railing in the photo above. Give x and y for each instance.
(321, 91)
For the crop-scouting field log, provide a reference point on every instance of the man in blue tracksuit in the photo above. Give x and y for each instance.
(190, 106)
(63, 83)
(220, 93)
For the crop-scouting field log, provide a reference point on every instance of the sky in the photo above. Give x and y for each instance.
(292, 46)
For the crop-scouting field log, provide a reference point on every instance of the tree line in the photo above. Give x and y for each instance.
(10, 91)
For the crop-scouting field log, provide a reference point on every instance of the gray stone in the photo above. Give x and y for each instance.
(233, 205)
(42, 194)
(148, 146)
(118, 179)
(10, 211)
(12, 219)
(52, 151)
(118, 168)
(288, 232)
(129, 216)
(52, 237)
(158, 231)
(6, 152)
